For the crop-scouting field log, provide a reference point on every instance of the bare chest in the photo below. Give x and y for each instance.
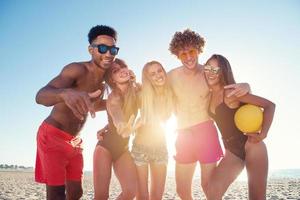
(91, 82)
(190, 88)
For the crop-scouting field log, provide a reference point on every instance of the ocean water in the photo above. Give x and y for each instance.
(273, 174)
(285, 173)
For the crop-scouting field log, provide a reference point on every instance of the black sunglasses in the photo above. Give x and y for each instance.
(102, 48)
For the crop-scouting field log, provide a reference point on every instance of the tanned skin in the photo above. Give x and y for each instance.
(73, 94)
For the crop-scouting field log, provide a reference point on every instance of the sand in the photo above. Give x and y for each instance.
(21, 185)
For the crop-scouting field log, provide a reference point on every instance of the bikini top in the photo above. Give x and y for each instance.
(224, 118)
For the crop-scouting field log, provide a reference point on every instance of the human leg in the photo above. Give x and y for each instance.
(158, 180)
(208, 150)
(74, 190)
(206, 173)
(125, 171)
(55, 192)
(54, 150)
(257, 169)
(225, 173)
(74, 176)
(184, 175)
(102, 163)
(142, 182)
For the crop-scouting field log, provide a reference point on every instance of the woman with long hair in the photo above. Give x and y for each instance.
(112, 150)
(241, 149)
(149, 149)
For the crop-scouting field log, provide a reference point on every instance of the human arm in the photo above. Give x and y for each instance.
(114, 109)
(55, 90)
(100, 105)
(101, 132)
(268, 113)
(172, 82)
(60, 90)
(238, 89)
(136, 85)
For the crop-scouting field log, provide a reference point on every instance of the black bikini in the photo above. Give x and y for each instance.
(113, 142)
(233, 139)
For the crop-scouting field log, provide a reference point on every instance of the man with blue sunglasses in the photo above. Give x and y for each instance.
(73, 94)
(102, 49)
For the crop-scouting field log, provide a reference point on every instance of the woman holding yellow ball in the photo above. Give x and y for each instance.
(242, 149)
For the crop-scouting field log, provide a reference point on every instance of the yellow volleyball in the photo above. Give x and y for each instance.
(248, 118)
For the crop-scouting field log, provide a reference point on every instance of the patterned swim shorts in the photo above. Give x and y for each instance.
(143, 155)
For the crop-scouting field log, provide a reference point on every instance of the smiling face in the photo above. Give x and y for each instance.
(103, 60)
(119, 75)
(188, 57)
(156, 75)
(213, 72)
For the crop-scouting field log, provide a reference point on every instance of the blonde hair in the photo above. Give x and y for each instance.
(129, 98)
(155, 107)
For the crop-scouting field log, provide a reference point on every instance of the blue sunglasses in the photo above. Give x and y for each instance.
(102, 48)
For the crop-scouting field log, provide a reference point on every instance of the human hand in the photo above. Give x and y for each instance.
(255, 137)
(138, 86)
(238, 89)
(125, 129)
(133, 80)
(80, 102)
(101, 132)
(132, 76)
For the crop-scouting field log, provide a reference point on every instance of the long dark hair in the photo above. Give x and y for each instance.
(227, 75)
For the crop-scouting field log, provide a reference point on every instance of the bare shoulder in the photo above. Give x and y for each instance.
(70, 74)
(174, 72)
(200, 66)
(113, 98)
(75, 68)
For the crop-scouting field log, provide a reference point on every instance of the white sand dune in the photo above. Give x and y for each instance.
(21, 185)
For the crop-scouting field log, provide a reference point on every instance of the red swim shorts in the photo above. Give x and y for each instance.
(59, 156)
(198, 143)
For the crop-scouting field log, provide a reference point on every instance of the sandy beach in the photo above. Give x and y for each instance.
(21, 185)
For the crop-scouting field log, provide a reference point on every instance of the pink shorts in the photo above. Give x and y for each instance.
(198, 143)
(59, 156)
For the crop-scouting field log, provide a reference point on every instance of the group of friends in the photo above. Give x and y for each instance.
(200, 96)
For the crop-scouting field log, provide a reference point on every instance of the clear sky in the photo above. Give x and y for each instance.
(261, 39)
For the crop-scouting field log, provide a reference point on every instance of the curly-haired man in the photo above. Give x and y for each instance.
(72, 94)
(197, 139)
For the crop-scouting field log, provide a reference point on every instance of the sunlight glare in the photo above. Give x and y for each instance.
(170, 130)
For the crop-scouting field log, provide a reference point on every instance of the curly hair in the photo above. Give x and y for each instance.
(101, 30)
(187, 38)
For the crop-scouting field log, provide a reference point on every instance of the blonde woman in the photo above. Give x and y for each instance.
(112, 150)
(149, 149)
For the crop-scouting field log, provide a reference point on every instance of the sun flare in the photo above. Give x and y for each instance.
(170, 130)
